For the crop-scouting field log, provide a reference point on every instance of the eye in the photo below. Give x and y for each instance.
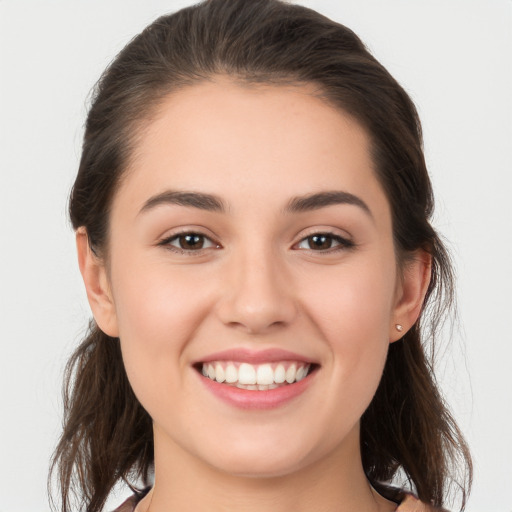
(188, 242)
(324, 242)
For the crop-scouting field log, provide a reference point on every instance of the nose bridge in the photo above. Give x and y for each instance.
(257, 295)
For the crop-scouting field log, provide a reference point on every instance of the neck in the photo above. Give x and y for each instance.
(336, 483)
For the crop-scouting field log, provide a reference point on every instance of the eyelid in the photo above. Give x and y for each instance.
(165, 241)
(344, 242)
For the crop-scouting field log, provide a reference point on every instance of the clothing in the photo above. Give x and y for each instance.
(409, 504)
(129, 505)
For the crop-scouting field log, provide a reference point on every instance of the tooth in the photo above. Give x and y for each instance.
(279, 374)
(246, 374)
(231, 374)
(219, 373)
(261, 377)
(291, 373)
(265, 375)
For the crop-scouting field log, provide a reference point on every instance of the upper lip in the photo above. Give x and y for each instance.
(244, 355)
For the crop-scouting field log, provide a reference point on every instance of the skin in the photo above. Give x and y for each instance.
(257, 283)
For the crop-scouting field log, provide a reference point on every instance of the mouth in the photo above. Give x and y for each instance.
(256, 377)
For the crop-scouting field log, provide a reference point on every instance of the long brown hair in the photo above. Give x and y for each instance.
(407, 428)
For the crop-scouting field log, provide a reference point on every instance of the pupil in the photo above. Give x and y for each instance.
(320, 242)
(191, 242)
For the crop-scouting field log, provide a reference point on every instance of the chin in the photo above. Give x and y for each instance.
(263, 467)
(256, 461)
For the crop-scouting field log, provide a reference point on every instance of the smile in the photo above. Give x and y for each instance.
(257, 379)
(261, 377)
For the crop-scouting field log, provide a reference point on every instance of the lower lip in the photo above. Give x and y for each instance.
(255, 399)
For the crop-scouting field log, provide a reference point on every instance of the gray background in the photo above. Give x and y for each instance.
(452, 56)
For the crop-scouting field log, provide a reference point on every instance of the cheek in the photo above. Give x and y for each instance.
(353, 318)
(158, 312)
(354, 302)
(155, 304)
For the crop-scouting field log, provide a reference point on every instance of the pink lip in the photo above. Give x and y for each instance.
(255, 399)
(255, 356)
(252, 399)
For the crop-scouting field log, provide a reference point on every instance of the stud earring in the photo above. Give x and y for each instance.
(399, 327)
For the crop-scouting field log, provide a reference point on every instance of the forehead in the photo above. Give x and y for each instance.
(242, 142)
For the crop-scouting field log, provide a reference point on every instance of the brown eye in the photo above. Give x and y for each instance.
(320, 242)
(324, 242)
(188, 242)
(191, 241)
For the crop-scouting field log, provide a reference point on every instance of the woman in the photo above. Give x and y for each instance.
(251, 212)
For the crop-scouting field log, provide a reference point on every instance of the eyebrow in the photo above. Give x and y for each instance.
(319, 200)
(210, 202)
(199, 200)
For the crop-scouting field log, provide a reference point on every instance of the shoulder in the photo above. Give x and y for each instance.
(408, 504)
(128, 505)
(412, 504)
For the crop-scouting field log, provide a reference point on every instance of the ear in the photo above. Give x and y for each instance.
(97, 285)
(411, 288)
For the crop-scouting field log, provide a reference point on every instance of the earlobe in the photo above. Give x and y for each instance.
(410, 294)
(96, 284)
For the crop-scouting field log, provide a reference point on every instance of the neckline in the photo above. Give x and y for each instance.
(393, 495)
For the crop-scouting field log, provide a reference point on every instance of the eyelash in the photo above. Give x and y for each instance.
(341, 243)
(167, 243)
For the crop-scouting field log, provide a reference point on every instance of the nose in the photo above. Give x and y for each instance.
(257, 296)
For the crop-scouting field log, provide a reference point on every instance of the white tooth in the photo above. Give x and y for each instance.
(262, 387)
(246, 374)
(252, 387)
(265, 375)
(231, 373)
(204, 370)
(211, 372)
(301, 373)
(291, 373)
(273, 386)
(219, 373)
(279, 374)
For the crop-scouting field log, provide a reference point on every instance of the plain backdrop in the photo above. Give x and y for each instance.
(452, 56)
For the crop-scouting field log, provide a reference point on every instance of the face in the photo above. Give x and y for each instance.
(252, 278)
